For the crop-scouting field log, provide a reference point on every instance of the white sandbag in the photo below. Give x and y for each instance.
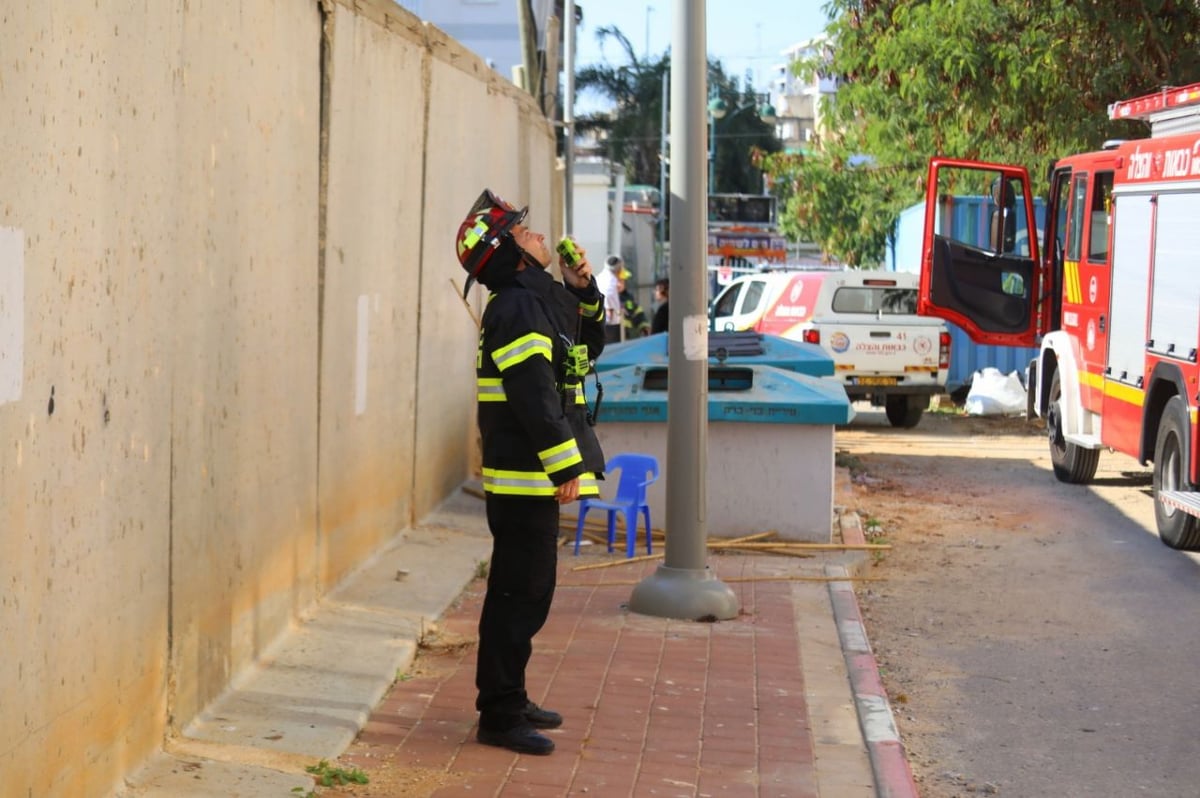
(995, 394)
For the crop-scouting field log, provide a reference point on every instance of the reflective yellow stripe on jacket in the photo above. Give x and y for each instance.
(592, 310)
(532, 483)
(522, 349)
(490, 389)
(564, 455)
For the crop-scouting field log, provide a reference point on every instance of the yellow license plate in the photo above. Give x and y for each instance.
(875, 381)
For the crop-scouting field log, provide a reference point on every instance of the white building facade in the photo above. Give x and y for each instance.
(799, 103)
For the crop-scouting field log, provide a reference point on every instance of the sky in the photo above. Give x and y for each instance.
(742, 34)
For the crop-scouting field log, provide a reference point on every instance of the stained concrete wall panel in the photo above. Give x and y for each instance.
(244, 434)
(83, 594)
(372, 282)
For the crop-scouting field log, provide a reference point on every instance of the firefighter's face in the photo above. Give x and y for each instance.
(533, 243)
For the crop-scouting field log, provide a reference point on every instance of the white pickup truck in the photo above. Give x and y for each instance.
(865, 320)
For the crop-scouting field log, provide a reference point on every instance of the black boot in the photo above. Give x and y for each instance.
(523, 738)
(542, 718)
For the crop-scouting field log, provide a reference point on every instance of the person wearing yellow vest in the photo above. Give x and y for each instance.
(538, 339)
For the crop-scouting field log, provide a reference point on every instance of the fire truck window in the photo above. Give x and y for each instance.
(1078, 208)
(1060, 218)
(1101, 208)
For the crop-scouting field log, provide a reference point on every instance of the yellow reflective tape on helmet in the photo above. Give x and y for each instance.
(490, 389)
(556, 458)
(517, 483)
(475, 233)
(522, 349)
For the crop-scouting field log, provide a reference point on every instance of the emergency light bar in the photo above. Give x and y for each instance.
(1162, 100)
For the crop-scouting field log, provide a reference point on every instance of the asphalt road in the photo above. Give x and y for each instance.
(1036, 639)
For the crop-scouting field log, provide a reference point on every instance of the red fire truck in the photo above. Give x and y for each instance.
(1111, 295)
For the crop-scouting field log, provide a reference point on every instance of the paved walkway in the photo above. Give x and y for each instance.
(784, 700)
(755, 706)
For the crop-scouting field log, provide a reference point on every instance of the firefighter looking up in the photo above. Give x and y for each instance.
(538, 339)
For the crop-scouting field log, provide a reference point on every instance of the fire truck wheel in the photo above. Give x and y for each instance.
(1175, 527)
(1073, 464)
(905, 411)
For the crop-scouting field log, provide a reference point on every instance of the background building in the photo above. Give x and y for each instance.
(798, 102)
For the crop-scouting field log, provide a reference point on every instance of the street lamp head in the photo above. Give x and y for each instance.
(766, 113)
(717, 108)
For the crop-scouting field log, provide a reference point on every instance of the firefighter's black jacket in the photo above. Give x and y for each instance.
(532, 412)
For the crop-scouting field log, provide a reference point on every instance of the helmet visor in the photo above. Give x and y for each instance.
(488, 200)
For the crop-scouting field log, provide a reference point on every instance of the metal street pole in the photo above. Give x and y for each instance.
(569, 116)
(683, 586)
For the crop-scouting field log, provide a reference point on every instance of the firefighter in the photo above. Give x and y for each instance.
(538, 340)
(636, 325)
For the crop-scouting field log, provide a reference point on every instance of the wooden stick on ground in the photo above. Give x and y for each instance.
(746, 539)
(611, 563)
(805, 546)
(740, 579)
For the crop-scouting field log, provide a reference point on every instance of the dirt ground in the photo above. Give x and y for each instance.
(915, 490)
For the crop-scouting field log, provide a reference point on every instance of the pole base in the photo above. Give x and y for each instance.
(685, 593)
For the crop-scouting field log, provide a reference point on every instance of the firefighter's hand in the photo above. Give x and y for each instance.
(568, 491)
(581, 275)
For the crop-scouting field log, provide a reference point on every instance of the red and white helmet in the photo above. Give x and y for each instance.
(487, 225)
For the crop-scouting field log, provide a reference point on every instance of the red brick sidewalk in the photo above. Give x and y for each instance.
(652, 706)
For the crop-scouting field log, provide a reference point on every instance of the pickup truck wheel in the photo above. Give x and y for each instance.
(905, 411)
(1073, 464)
(1175, 527)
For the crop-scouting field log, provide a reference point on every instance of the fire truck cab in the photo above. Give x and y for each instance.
(1109, 291)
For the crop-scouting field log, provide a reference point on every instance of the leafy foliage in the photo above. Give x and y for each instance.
(328, 775)
(632, 130)
(1000, 80)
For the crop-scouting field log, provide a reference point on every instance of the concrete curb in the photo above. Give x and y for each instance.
(893, 775)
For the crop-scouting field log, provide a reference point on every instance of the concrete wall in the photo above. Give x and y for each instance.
(232, 364)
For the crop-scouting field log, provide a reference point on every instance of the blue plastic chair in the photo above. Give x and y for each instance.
(638, 471)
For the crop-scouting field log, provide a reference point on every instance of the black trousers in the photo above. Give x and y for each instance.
(520, 588)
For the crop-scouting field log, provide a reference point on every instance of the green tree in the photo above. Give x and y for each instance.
(632, 129)
(997, 80)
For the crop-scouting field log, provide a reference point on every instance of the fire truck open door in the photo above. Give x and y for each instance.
(980, 267)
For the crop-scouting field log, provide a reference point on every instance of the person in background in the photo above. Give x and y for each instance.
(537, 340)
(636, 323)
(662, 295)
(606, 281)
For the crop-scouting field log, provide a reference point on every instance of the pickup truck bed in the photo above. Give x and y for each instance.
(891, 360)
